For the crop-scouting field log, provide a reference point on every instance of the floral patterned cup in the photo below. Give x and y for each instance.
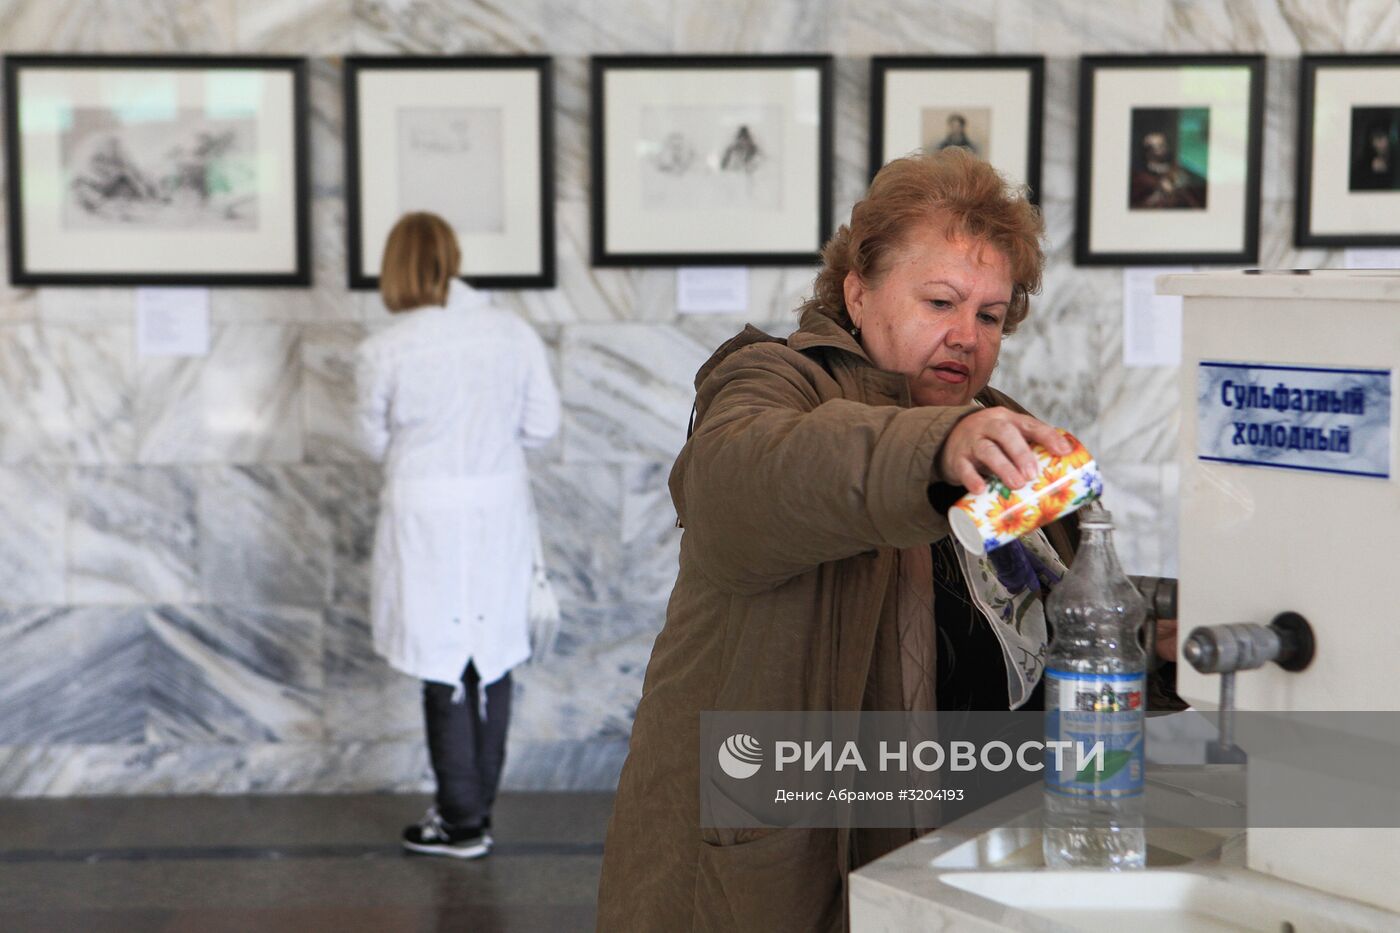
(1000, 515)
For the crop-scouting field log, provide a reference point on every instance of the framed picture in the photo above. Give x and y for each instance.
(989, 106)
(1348, 151)
(142, 170)
(1169, 155)
(711, 160)
(469, 139)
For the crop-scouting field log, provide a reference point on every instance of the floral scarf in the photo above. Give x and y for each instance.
(1007, 585)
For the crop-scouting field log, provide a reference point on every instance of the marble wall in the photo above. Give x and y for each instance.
(184, 547)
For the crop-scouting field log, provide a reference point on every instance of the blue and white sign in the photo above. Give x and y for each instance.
(1295, 417)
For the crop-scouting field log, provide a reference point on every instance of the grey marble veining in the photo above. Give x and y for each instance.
(590, 685)
(909, 27)
(271, 767)
(850, 145)
(265, 535)
(593, 294)
(72, 676)
(579, 509)
(389, 710)
(243, 675)
(132, 535)
(294, 27)
(350, 503)
(651, 542)
(1052, 370)
(86, 306)
(592, 764)
(326, 116)
(1132, 493)
(82, 770)
(1276, 249)
(1060, 129)
(747, 26)
(1372, 26)
(32, 513)
(572, 112)
(1282, 27)
(17, 305)
(1071, 27)
(326, 301)
(386, 27)
(1278, 178)
(328, 392)
(628, 390)
(66, 393)
(119, 26)
(1069, 294)
(1169, 520)
(594, 27)
(238, 404)
(349, 660)
(1139, 407)
(396, 766)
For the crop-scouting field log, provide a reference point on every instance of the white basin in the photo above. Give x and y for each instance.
(1104, 902)
(967, 877)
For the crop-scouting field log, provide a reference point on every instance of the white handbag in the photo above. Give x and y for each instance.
(543, 613)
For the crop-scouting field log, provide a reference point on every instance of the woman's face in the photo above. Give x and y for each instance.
(937, 316)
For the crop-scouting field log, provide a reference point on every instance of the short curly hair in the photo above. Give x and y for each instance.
(951, 187)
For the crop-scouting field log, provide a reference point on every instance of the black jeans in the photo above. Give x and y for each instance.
(467, 750)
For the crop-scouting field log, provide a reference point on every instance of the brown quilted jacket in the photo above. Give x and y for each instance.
(802, 491)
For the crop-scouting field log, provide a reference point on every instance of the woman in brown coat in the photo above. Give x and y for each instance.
(813, 493)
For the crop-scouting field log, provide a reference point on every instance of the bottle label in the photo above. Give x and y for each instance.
(1086, 710)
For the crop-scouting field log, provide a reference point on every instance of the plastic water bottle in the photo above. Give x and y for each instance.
(1095, 691)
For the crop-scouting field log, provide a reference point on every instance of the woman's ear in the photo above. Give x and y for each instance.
(854, 290)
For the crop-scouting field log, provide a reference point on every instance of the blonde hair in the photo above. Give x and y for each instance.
(421, 258)
(952, 188)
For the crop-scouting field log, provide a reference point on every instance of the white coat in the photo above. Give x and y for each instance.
(448, 397)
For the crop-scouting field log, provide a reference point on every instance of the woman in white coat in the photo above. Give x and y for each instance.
(449, 395)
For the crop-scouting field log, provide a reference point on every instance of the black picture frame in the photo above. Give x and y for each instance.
(604, 223)
(295, 271)
(499, 277)
(883, 66)
(1190, 251)
(1366, 202)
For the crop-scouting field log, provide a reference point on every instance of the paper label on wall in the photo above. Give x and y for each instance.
(172, 321)
(1151, 322)
(1372, 258)
(1315, 418)
(712, 290)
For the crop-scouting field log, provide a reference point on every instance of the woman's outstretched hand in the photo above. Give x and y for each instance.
(996, 441)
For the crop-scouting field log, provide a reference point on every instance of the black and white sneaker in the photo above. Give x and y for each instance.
(486, 831)
(431, 836)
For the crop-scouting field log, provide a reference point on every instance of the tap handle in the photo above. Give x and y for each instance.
(1160, 595)
(1242, 646)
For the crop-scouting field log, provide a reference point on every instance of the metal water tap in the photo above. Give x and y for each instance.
(1159, 593)
(1243, 646)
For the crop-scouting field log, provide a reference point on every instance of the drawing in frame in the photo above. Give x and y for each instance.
(468, 138)
(156, 170)
(1169, 158)
(1348, 183)
(711, 160)
(991, 106)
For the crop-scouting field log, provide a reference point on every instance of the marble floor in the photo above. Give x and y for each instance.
(305, 864)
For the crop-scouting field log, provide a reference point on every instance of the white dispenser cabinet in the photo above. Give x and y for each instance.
(1314, 534)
